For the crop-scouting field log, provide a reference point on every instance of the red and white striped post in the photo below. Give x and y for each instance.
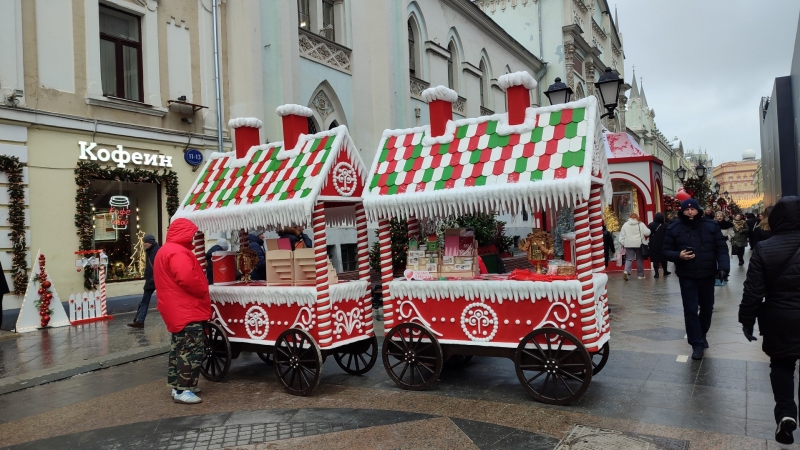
(583, 251)
(363, 264)
(101, 274)
(323, 305)
(596, 229)
(244, 241)
(199, 243)
(387, 273)
(413, 227)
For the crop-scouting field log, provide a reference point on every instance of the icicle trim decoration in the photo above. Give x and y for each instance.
(340, 216)
(517, 79)
(239, 122)
(293, 110)
(494, 291)
(277, 213)
(285, 295)
(439, 93)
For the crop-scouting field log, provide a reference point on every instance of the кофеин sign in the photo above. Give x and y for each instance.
(122, 157)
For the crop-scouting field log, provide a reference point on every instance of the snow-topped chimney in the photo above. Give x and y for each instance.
(518, 87)
(440, 107)
(295, 123)
(245, 134)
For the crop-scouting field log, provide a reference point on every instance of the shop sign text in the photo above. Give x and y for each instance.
(90, 152)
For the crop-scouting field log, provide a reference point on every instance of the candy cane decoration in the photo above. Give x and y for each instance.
(387, 274)
(413, 227)
(199, 243)
(596, 229)
(363, 264)
(102, 275)
(323, 305)
(583, 251)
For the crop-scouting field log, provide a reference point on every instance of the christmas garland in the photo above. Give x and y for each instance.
(16, 219)
(85, 172)
(45, 294)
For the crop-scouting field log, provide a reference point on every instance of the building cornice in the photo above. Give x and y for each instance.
(474, 14)
(470, 68)
(436, 49)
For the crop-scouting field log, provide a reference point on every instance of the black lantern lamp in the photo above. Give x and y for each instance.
(716, 188)
(681, 172)
(700, 170)
(609, 86)
(726, 194)
(558, 93)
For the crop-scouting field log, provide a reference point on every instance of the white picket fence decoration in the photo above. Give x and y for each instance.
(86, 305)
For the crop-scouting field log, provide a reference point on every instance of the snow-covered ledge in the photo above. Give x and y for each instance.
(483, 290)
(286, 295)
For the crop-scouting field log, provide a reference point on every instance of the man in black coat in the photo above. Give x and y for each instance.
(151, 248)
(751, 221)
(3, 290)
(658, 229)
(256, 244)
(772, 295)
(220, 246)
(696, 268)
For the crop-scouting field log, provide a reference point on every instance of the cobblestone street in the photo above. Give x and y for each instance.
(648, 394)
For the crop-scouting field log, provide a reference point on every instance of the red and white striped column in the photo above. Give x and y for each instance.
(323, 305)
(387, 273)
(362, 239)
(101, 274)
(596, 229)
(244, 241)
(199, 243)
(583, 251)
(413, 227)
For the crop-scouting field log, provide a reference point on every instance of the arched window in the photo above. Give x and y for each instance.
(303, 14)
(451, 63)
(579, 92)
(412, 50)
(334, 124)
(481, 79)
(312, 126)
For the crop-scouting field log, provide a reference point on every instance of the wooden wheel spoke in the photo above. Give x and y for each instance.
(544, 357)
(404, 370)
(567, 355)
(533, 378)
(533, 356)
(421, 378)
(571, 375)
(421, 350)
(566, 384)
(425, 357)
(284, 352)
(546, 380)
(397, 364)
(361, 357)
(396, 355)
(531, 366)
(426, 368)
(283, 374)
(402, 349)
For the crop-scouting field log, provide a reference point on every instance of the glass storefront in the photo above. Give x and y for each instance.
(123, 212)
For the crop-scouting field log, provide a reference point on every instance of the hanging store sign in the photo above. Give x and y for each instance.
(90, 152)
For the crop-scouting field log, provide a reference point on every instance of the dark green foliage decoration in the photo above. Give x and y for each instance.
(11, 166)
(86, 171)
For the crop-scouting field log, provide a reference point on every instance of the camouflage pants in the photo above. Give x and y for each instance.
(186, 352)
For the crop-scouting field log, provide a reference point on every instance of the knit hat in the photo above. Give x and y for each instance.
(689, 203)
(222, 243)
(256, 232)
(149, 239)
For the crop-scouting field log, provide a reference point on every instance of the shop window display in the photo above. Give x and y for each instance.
(122, 213)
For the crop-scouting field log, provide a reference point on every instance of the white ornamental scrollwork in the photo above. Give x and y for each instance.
(561, 320)
(479, 322)
(345, 179)
(347, 321)
(256, 322)
(411, 314)
(304, 319)
(219, 320)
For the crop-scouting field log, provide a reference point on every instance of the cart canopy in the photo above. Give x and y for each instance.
(483, 164)
(271, 186)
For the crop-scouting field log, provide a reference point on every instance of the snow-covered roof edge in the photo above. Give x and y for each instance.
(274, 214)
(500, 198)
(245, 122)
(522, 78)
(291, 109)
(439, 93)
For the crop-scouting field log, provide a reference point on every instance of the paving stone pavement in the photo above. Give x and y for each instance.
(646, 391)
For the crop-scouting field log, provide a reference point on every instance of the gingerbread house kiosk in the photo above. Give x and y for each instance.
(553, 325)
(300, 314)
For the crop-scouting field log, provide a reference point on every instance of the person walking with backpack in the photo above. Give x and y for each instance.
(771, 296)
(699, 251)
(657, 231)
(184, 303)
(632, 236)
(151, 248)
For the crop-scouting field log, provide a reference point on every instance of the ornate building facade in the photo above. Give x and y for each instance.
(738, 178)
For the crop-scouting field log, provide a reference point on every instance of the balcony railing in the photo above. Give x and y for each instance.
(460, 105)
(323, 51)
(417, 86)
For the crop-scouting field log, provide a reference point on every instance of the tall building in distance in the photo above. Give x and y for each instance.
(737, 178)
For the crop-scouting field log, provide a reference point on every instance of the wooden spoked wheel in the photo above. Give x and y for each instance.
(412, 356)
(216, 353)
(600, 358)
(553, 365)
(359, 358)
(298, 361)
(266, 357)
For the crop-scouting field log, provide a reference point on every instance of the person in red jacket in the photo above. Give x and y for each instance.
(184, 304)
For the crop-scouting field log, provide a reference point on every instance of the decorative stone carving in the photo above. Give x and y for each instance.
(324, 52)
(598, 31)
(615, 49)
(486, 111)
(460, 105)
(582, 6)
(590, 77)
(322, 104)
(417, 86)
(621, 109)
(569, 55)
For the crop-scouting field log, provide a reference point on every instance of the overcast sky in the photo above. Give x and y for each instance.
(707, 63)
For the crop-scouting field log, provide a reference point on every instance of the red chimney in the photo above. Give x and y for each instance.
(295, 123)
(440, 107)
(518, 87)
(245, 134)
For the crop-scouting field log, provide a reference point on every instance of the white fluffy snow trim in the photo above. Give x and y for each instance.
(295, 110)
(251, 122)
(285, 295)
(485, 290)
(340, 216)
(517, 79)
(439, 93)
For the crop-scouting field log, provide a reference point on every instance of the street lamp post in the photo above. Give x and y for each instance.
(700, 170)
(558, 93)
(681, 172)
(609, 86)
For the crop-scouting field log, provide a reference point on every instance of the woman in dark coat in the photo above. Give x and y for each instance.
(657, 230)
(3, 291)
(762, 232)
(772, 295)
(608, 244)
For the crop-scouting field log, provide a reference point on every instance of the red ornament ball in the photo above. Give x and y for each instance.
(41, 291)
(41, 257)
(46, 284)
